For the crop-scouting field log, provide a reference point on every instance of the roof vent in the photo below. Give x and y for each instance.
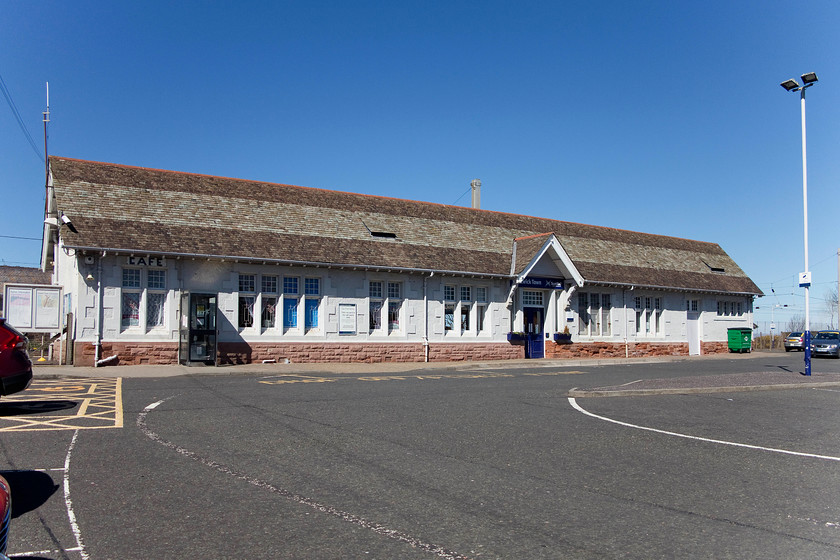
(717, 269)
(384, 234)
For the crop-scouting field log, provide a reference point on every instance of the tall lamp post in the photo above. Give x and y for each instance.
(808, 80)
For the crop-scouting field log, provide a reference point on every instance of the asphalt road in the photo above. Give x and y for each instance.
(484, 463)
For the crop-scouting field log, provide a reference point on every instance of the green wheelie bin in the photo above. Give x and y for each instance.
(740, 340)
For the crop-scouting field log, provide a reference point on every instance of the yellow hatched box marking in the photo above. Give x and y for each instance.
(95, 403)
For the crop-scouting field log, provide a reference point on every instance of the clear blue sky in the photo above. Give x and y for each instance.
(658, 116)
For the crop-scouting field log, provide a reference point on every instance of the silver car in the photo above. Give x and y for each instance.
(826, 343)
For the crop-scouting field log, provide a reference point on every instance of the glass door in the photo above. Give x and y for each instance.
(198, 329)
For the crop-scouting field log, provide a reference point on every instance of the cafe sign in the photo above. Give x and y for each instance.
(151, 262)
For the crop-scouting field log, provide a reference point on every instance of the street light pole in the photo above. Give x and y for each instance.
(808, 80)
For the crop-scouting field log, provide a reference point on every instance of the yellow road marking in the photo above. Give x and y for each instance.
(37, 408)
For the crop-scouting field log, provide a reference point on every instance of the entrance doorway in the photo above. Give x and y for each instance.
(692, 331)
(535, 343)
(198, 329)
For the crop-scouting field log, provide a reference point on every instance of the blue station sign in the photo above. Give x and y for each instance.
(542, 283)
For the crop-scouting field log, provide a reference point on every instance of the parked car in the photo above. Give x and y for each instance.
(5, 515)
(826, 343)
(795, 341)
(15, 365)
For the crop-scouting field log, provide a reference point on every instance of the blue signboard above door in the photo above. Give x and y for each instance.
(542, 283)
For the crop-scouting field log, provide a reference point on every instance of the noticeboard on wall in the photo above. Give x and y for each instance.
(32, 308)
(347, 318)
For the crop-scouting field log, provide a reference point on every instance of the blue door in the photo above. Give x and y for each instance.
(535, 344)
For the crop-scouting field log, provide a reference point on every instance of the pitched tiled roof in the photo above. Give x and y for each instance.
(138, 210)
(23, 275)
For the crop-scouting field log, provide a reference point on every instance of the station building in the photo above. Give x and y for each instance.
(165, 267)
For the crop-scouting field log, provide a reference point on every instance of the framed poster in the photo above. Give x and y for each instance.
(19, 307)
(347, 318)
(47, 308)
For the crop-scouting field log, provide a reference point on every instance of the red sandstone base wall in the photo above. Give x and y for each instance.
(632, 349)
(128, 353)
(229, 353)
(244, 353)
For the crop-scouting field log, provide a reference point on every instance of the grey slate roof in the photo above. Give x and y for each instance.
(148, 211)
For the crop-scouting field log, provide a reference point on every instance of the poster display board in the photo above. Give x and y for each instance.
(347, 318)
(33, 308)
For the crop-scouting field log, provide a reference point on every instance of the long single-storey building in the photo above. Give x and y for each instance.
(166, 267)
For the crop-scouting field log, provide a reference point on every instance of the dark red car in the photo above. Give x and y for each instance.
(15, 365)
(5, 515)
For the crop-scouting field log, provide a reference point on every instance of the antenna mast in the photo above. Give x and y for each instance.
(46, 120)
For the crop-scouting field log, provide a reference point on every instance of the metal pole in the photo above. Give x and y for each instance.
(807, 340)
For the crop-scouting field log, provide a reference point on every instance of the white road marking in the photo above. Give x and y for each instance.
(44, 552)
(577, 407)
(296, 498)
(70, 514)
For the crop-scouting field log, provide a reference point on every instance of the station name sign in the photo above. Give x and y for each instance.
(542, 283)
(151, 262)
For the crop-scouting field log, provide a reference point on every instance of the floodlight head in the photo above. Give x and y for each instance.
(68, 223)
(790, 85)
(809, 78)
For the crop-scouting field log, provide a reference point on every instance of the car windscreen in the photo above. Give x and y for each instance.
(827, 336)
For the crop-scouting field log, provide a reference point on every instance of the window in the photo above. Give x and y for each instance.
(143, 289)
(583, 313)
(460, 308)
(448, 308)
(466, 305)
(532, 298)
(657, 307)
(269, 312)
(290, 313)
(732, 308)
(269, 284)
(394, 305)
(312, 293)
(606, 313)
(648, 315)
(290, 302)
(595, 314)
(247, 299)
(375, 306)
(481, 308)
(290, 285)
(311, 319)
(156, 298)
(465, 318)
(268, 315)
(247, 283)
(692, 305)
(156, 279)
(130, 297)
(312, 286)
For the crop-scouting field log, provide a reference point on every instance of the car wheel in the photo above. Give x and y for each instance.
(787, 349)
